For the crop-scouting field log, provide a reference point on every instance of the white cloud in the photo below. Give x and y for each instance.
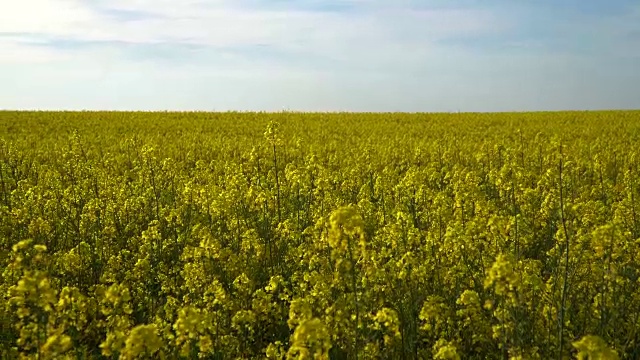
(377, 31)
(60, 17)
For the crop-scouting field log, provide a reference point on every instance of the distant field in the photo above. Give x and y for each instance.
(342, 236)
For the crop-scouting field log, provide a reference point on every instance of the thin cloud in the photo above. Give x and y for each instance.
(219, 23)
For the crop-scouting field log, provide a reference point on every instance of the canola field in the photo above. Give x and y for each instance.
(319, 236)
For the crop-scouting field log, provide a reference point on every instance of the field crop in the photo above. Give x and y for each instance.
(299, 236)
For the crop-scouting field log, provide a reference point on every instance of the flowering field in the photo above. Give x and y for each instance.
(299, 236)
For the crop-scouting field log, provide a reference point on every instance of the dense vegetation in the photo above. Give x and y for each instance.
(343, 236)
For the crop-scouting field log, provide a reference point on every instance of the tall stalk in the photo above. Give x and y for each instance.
(275, 166)
(563, 298)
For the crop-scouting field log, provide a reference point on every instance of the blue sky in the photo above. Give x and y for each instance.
(310, 55)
